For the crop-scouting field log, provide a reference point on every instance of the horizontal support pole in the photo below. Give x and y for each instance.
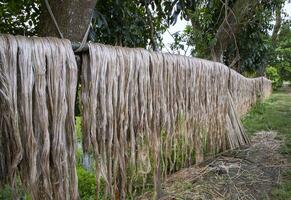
(77, 45)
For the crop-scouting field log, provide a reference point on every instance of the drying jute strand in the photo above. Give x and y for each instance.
(145, 115)
(148, 114)
(38, 79)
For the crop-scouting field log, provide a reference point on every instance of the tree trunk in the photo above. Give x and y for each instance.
(277, 26)
(72, 16)
(230, 27)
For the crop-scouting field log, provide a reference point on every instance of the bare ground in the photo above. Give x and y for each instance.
(248, 173)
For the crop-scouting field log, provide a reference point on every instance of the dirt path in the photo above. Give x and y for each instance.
(249, 173)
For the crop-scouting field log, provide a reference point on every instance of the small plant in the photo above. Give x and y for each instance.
(79, 129)
(273, 75)
(86, 184)
(6, 192)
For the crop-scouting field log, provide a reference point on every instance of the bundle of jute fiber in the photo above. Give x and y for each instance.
(149, 114)
(247, 91)
(38, 78)
(266, 87)
(244, 91)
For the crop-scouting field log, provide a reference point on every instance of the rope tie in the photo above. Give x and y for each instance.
(83, 43)
(53, 17)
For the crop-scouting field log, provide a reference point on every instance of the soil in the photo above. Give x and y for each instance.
(248, 173)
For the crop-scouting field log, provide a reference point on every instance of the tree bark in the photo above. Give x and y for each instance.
(72, 16)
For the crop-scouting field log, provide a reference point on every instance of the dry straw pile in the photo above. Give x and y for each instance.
(148, 114)
(38, 78)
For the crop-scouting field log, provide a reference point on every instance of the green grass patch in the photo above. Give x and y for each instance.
(283, 192)
(274, 114)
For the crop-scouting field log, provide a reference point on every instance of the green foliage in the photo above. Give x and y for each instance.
(19, 16)
(6, 192)
(79, 151)
(253, 39)
(284, 190)
(78, 128)
(179, 46)
(117, 22)
(205, 23)
(86, 184)
(79, 156)
(127, 23)
(141, 24)
(281, 53)
(274, 114)
(273, 75)
(206, 18)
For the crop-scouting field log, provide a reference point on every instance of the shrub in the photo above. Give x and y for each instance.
(6, 192)
(86, 184)
(273, 75)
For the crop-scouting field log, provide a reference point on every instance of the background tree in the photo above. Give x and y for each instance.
(19, 17)
(72, 17)
(234, 32)
(31, 17)
(117, 22)
(127, 23)
(281, 52)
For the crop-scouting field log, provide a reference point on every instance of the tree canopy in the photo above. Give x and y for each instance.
(239, 33)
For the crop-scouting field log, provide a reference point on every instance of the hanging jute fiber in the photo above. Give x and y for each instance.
(255, 88)
(38, 78)
(145, 115)
(148, 114)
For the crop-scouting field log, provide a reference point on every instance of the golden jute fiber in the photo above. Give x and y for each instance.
(145, 115)
(148, 114)
(38, 78)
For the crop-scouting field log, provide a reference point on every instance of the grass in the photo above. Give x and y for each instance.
(283, 192)
(274, 114)
(78, 129)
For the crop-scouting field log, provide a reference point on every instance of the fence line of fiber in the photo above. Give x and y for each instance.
(145, 115)
(149, 114)
(255, 88)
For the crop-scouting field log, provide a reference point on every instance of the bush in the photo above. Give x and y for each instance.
(86, 184)
(6, 192)
(273, 75)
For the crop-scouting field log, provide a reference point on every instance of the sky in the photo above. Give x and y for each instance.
(181, 24)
